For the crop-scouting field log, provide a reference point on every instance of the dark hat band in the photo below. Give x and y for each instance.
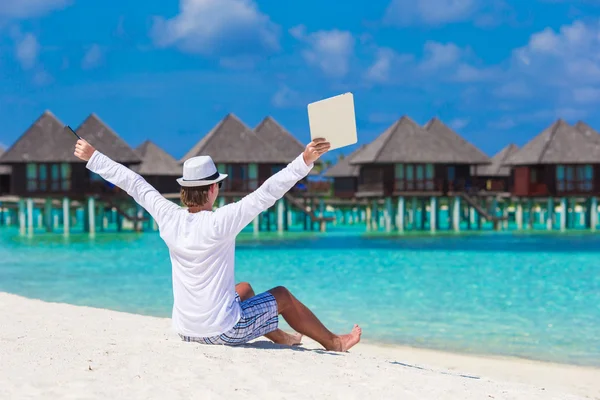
(210, 178)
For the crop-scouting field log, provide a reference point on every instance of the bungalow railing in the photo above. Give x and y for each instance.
(574, 186)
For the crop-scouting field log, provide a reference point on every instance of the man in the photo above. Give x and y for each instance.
(201, 245)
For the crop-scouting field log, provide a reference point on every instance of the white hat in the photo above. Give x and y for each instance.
(200, 171)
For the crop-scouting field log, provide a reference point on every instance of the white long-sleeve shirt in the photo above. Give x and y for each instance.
(201, 245)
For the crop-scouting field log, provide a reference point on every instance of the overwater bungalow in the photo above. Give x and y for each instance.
(563, 160)
(419, 161)
(496, 177)
(276, 135)
(241, 153)
(158, 167)
(5, 173)
(43, 164)
(345, 176)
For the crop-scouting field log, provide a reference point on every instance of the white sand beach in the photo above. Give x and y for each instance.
(59, 351)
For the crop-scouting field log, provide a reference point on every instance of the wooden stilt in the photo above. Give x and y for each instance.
(549, 213)
(91, 211)
(563, 214)
(456, 214)
(400, 214)
(48, 215)
(30, 217)
(66, 217)
(22, 218)
(433, 214)
(593, 213)
(280, 216)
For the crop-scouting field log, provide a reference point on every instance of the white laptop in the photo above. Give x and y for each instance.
(333, 119)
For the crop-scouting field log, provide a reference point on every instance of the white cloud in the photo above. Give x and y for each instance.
(226, 28)
(586, 95)
(93, 57)
(286, 97)
(459, 123)
(468, 73)
(439, 55)
(29, 8)
(385, 64)
(569, 56)
(429, 12)
(27, 50)
(330, 51)
(440, 62)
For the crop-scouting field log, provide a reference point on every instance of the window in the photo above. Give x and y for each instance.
(574, 178)
(410, 177)
(400, 177)
(253, 176)
(32, 185)
(65, 174)
(560, 178)
(429, 172)
(414, 176)
(54, 177)
(589, 178)
(43, 177)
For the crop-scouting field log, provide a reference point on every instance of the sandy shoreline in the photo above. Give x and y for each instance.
(60, 351)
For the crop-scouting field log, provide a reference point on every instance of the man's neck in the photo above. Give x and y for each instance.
(197, 209)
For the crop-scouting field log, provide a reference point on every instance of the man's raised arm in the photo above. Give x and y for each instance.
(136, 186)
(232, 218)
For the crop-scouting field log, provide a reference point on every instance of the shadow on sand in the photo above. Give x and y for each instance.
(431, 370)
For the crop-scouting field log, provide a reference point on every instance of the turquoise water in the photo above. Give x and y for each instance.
(533, 296)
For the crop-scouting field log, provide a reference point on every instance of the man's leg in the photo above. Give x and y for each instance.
(245, 291)
(302, 320)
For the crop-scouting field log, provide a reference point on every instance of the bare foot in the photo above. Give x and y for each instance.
(293, 339)
(284, 338)
(345, 342)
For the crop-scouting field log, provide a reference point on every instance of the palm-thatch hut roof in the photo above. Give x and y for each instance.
(343, 168)
(156, 161)
(272, 132)
(588, 131)
(106, 140)
(231, 141)
(4, 169)
(470, 154)
(560, 143)
(497, 167)
(406, 142)
(277, 136)
(44, 141)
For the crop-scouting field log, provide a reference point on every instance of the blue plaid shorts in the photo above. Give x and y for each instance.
(259, 317)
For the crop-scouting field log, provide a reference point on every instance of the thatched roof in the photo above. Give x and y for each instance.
(560, 143)
(106, 141)
(277, 136)
(47, 140)
(588, 131)
(407, 142)
(44, 141)
(343, 168)
(282, 140)
(4, 169)
(497, 167)
(156, 161)
(231, 141)
(470, 153)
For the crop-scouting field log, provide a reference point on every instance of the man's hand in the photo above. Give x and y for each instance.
(314, 150)
(84, 150)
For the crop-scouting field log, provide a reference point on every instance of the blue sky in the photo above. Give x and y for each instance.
(498, 71)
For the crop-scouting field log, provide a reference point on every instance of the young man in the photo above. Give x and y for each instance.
(201, 242)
